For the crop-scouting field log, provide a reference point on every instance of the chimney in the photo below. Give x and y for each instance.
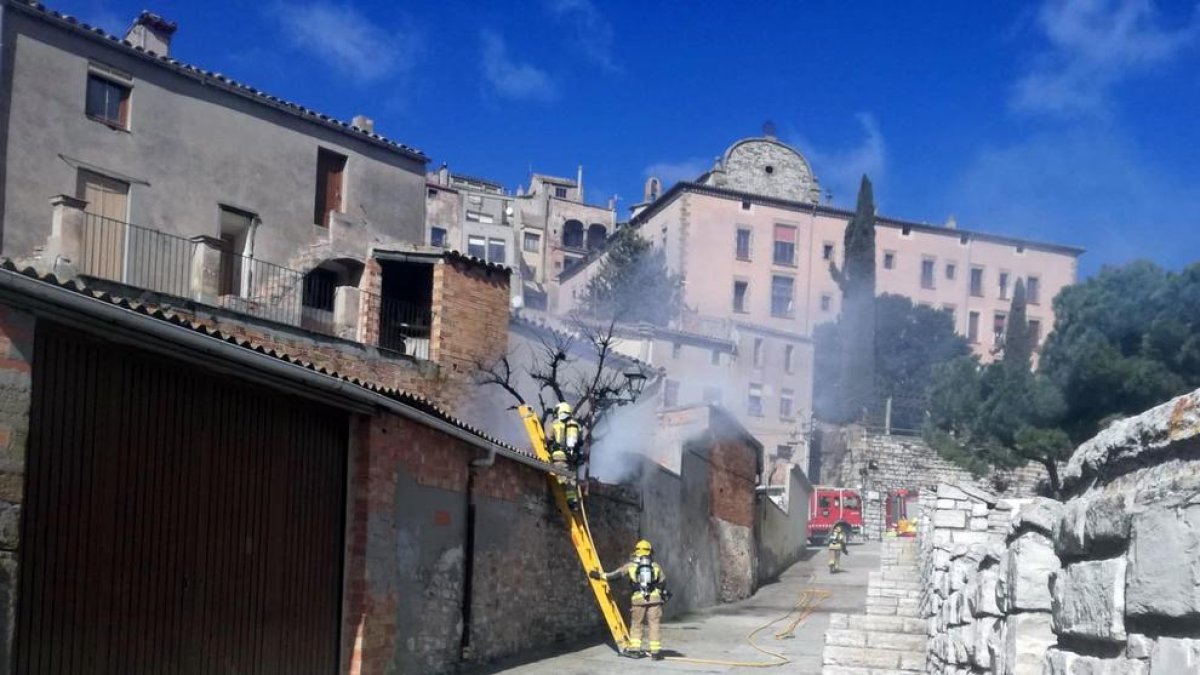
(444, 174)
(152, 33)
(363, 122)
(579, 182)
(951, 223)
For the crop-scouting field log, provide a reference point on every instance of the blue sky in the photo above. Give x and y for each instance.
(1072, 121)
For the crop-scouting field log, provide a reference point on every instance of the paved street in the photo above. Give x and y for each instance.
(719, 633)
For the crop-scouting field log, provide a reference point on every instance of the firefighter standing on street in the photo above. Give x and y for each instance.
(837, 546)
(649, 594)
(565, 449)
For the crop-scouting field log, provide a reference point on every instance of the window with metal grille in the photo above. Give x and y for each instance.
(532, 242)
(477, 247)
(108, 101)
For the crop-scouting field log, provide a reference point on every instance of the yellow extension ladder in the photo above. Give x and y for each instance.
(581, 535)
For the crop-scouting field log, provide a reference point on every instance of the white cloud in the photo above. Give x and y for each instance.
(592, 33)
(841, 170)
(1093, 46)
(355, 45)
(511, 79)
(673, 172)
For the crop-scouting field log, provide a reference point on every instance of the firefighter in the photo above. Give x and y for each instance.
(837, 546)
(649, 594)
(564, 449)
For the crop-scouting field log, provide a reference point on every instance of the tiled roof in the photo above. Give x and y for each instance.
(210, 78)
(409, 399)
(445, 254)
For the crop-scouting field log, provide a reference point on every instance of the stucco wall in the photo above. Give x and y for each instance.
(783, 526)
(190, 148)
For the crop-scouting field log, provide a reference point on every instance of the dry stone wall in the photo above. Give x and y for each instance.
(1105, 582)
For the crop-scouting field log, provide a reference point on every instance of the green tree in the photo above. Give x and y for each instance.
(910, 340)
(1018, 340)
(633, 284)
(856, 279)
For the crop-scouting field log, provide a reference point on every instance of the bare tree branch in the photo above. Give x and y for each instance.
(499, 374)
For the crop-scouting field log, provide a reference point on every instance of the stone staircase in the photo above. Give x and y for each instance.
(890, 638)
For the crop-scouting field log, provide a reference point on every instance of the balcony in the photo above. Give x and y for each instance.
(207, 271)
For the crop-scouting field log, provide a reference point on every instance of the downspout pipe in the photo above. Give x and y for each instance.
(72, 308)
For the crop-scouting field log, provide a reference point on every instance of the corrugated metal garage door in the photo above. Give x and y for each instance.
(176, 521)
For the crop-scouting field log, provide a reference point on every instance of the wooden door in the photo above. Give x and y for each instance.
(330, 169)
(176, 521)
(106, 224)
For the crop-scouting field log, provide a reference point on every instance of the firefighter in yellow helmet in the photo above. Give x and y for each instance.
(649, 594)
(565, 447)
(837, 546)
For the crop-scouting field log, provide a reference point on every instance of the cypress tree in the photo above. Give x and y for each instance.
(1018, 342)
(633, 283)
(856, 280)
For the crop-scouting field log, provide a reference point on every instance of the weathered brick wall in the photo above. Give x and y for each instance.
(470, 321)
(732, 479)
(16, 361)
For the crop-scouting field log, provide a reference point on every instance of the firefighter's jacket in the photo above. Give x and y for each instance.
(564, 440)
(652, 595)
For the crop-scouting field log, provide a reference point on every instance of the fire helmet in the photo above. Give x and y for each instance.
(643, 548)
(563, 408)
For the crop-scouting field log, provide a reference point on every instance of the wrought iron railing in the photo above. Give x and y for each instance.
(402, 327)
(114, 250)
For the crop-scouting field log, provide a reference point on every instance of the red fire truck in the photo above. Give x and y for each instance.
(832, 506)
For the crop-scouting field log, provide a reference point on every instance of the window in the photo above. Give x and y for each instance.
(531, 242)
(572, 236)
(754, 402)
(785, 403)
(977, 282)
(745, 204)
(999, 319)
(973, 327)
(560, 192)
(496, 252)
(785, 245)
(670, 394)
(759, 350)
(784, 451)
(477, 217)
(827, 251)
(432, 193)
(1035, 331)
(927, 273)
(715, 359)
(320, 285)
(789, 359)
(477, 247)
(1033, 290)
(330, 168)
(781, 296)
(676, 349)
(906, 231)
(826, 302)
(712, 395)
(739, 296)
(475, 199)
(1003, 285)
(236, 226)
(742, 243)
(107, 101)
(949, 309)
(951, 270)
(437, 237)
(889, 260)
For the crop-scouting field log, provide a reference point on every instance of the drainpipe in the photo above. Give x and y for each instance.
(464, 645)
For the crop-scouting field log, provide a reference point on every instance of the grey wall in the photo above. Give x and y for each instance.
(783, 533)
(191, 146)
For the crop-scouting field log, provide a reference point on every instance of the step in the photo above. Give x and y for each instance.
(867, 657)
(881, 624)
(845, 670)
(875, 639)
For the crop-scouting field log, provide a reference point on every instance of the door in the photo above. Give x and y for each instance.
(176, 521)
(330, 169)
(105, 225)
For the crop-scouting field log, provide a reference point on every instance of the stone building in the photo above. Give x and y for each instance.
(200, 187)
(754, 246)
(551, 223)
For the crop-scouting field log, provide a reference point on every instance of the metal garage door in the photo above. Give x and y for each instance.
(176, 521)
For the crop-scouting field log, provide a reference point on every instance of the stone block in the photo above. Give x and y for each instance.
(982, 599)
(1091, 523)
(1031, 561)
(1041, 514)
(979, 494)
(1175, 655)
(1062, 662)
(1164, 563)
(950, 518)
(979, 524)
(945, 491)
(1027, 637)
(1138, 646)
(980, 645)
(1089, 600)
(946, 504)
(978, 510)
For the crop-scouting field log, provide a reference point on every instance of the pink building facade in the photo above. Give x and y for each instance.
(754, 247)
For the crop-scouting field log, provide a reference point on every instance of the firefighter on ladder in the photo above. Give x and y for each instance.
(565, 449)
(649, 594)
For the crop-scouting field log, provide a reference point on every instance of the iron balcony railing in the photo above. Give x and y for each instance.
(402, 327)
(138, 256)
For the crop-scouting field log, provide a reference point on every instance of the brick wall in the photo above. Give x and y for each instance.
(733, 479)
(470, 321)
(16, 360)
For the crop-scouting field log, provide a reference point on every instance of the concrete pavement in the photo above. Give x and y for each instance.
(719, 633)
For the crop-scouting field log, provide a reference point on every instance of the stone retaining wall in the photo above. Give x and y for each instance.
(1106, 582)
